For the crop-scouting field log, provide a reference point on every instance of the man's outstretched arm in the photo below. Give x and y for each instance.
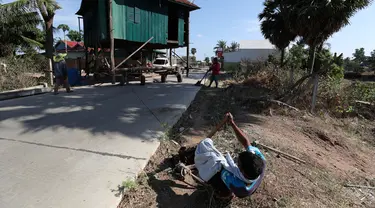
(239, 133)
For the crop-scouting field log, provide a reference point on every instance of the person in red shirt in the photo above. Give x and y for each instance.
(215, 68)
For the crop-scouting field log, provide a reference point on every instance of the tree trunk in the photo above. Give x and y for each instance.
(49, 47)
(66, 45)
(282, 57)
(112, 42)
(291, 76)
(187, 44)
(312, 58)
(315, 92)
(315, 78)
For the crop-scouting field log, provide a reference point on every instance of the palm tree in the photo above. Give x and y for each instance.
(316, 21)
(18, 28)
(207, 60)
(75, 35)
(273, 27)
(64, 28)
(193, 51)
(221, 44)
(47, 9)
(234, 46)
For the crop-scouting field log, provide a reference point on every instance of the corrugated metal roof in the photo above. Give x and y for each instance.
(256, 44)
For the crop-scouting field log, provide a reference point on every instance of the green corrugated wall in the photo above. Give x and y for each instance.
(133, 20)
(149, 20)
(181, 31)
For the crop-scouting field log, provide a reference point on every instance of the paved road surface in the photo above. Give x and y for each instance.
(73, 150)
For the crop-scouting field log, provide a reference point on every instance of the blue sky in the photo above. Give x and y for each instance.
(237, 20)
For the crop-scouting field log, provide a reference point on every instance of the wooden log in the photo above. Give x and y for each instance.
(143, 45)
(256, 143)
(359, 186)
(284, 104)
(363, 102)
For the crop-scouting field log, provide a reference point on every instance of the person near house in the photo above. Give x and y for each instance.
(222, 173)
(60, 72)
(215, 68)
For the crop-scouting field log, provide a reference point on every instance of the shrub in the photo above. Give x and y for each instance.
(21, 72)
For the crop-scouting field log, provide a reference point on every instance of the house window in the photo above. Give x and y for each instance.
(134, 15)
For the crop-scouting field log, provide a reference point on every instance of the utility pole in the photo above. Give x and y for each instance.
(170, 57)
(112, 42)
(187, 44)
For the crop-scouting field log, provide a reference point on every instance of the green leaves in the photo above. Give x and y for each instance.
(74, 35)
(273, 25)
(193, 51)
(18, 27)
(63, 27)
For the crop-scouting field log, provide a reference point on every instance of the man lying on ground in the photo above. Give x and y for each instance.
(226, 177)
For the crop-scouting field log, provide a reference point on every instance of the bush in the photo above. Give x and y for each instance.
(21, 72)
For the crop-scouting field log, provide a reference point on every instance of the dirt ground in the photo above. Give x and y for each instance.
(337, 152)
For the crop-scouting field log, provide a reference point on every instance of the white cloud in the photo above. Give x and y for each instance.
(199, 35)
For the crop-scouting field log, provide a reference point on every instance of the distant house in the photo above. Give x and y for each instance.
(252, 50)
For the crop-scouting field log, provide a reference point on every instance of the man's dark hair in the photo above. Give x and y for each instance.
(251, 164)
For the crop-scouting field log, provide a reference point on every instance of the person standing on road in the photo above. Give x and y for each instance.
(60, 72)
(215, 68)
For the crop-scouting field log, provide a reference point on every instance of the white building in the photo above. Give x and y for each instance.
(252, 50)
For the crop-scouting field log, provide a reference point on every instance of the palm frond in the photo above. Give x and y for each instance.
(31, 42)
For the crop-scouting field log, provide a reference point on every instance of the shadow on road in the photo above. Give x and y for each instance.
(131, 110)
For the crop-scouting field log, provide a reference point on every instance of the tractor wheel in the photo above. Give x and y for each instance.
(122, 81)
(179, 77)
(143, 80)
(163, 78)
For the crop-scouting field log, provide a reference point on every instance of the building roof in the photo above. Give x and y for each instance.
(71, 46)
(186, 3)
(91, 3)
(256, 44)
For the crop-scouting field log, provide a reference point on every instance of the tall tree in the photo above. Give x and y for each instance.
(207, 60)
(234, 46)
(221, 44)
(193, 51)
(371, 60)
(316, 21)
(64, 28)
(359, 55)
(274, 28)
(74, 35)
(18, 28)
(47, 10)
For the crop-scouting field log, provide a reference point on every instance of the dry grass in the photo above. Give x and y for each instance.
(18, 73)
(335, 156)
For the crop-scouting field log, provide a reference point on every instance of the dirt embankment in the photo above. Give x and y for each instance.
(337, 152)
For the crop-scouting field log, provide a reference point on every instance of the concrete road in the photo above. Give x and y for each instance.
(74, 150)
